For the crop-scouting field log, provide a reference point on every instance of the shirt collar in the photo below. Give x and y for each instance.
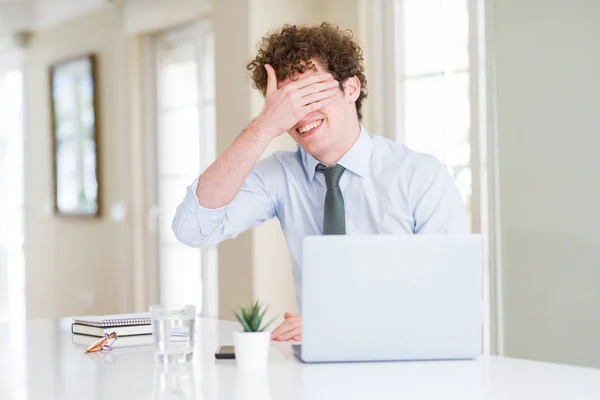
(355, 160)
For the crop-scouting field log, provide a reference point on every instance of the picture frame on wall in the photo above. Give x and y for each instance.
(75, 131)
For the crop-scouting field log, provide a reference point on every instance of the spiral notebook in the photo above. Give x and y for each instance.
(111, 321)
(124, 324)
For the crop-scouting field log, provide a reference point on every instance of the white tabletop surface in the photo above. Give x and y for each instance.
(38, 360)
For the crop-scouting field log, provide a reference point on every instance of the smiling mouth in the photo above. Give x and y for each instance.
(310, 128)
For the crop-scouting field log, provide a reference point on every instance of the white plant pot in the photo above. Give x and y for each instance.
(252, 349)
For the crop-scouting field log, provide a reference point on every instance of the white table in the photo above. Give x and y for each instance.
(39, 361)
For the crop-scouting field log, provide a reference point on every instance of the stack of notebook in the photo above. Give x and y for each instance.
(124, 325)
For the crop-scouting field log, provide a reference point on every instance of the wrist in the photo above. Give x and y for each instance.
(264, 130)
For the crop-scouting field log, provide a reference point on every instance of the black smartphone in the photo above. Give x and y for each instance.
(225, 353)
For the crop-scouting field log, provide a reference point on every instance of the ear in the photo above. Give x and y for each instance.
(351, 89)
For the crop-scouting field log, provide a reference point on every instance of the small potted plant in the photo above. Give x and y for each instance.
(252, 343)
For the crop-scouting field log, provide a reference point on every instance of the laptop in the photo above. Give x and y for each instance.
(391, 298)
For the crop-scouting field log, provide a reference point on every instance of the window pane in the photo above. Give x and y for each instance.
(422, 28)
(185, 74)
(186, 139)
(179, 142)
(12, 260)
(11, 227)
(436, 36)
(456, 119)
(455, 34)
(179, 75)
(208, 68)
(423, 115)
(180, 276)
(208, 131)
(11, 141)
(463, 180)
(11, 170)
(12, 282)
(437, 115)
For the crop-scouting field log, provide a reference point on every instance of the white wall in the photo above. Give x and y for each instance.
(232, 90)
(548, 98)
(77, 266)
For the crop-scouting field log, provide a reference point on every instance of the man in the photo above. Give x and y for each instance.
(341, 180)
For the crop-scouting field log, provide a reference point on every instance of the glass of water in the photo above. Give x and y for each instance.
(173, 330)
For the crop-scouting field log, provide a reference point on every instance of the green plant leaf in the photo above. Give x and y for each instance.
(237, 316)
(259, 313)
(251, 312)
(262, 315)
(255, 323)
(252, 317)
(243, 322)
(245, 314)
(256, 309)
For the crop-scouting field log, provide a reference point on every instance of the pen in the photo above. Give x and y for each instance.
(100, 344)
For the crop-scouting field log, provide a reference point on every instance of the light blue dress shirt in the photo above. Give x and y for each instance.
(388, 189)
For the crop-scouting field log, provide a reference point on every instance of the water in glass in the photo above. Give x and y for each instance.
(173, 329)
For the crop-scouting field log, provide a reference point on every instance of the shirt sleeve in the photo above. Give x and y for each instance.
(198, 226)
(439, 208)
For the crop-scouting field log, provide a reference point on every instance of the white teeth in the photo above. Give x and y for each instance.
(310, 126)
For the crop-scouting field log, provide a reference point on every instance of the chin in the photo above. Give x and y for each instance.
(314, 149)
(310, 150)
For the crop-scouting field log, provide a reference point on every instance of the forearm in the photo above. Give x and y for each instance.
(221, 181)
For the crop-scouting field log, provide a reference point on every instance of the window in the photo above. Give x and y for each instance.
(438, 67)
(12, 259)
(186, 145)
(434, 78)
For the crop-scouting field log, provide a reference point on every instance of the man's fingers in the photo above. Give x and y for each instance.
(309, 80)
(317, 87)
(298, 338)
(290, 334)
(291, 323)
(319, 96)
(307, 109)
(271, 79)
(277, 331)
(289, 315)
(286, 326)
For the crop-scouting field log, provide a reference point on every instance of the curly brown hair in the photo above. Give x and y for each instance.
(289, 51)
